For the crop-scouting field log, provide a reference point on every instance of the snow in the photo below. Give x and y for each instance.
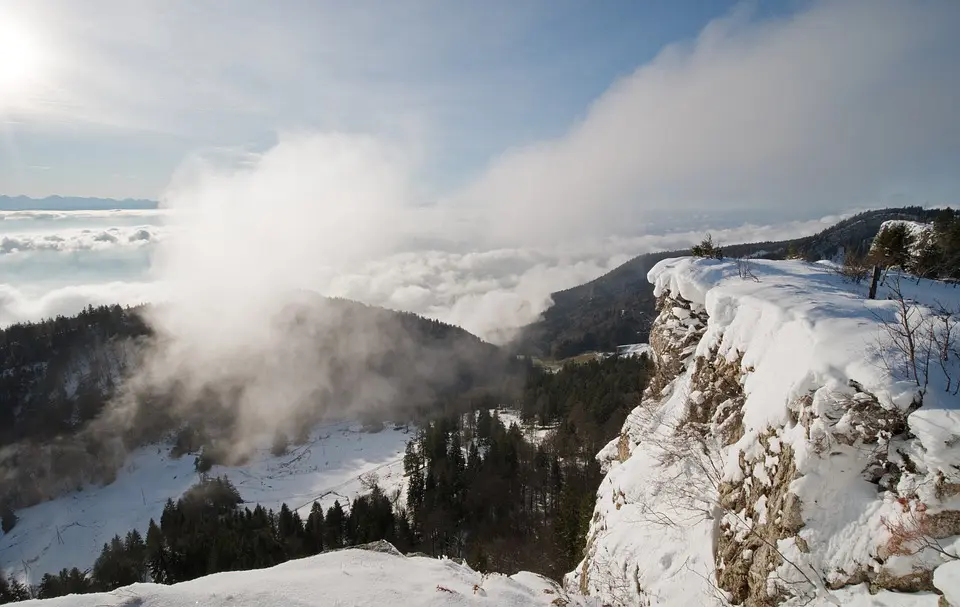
(914, 228)
(70, 531)
(805, 336)
(532, 432)
(947, 579)
(921, 233)
(635, 349)
(359, 578)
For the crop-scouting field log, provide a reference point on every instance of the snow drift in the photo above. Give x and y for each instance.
(787, 450)
(356, 577)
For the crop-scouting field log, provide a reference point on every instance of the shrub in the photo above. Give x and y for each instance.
(707, 248)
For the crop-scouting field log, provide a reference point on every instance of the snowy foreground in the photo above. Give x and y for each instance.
(70, 531)
(781, 454)
(346, 578)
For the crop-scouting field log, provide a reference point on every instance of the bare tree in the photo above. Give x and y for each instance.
(914, 532)
(909, 343)
(745, 270)
(946, 336)
(855, 267)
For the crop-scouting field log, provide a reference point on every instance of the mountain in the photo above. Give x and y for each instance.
(72, 203)
(618, 307)
(789, 449)
(78, 393)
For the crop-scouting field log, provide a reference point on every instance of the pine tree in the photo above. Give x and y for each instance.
(707, 248)
(12, 591)
(290, 532)
(315, 529)
(413, 467)
(946, 230)
(156, 554)
(893, 246)
(334, 524)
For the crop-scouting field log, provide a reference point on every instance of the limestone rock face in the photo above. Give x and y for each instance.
(777, 457)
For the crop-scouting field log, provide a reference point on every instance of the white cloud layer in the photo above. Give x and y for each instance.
(30, 304)
(838, 105)
(81, 239)
(832, 107)
(489, 292)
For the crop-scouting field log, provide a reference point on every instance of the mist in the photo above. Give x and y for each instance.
(835, 107)
(841, 104)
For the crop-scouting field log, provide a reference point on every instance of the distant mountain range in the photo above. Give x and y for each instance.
(71, 203)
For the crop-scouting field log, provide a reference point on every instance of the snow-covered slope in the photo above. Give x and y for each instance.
(358, 578)
(71, 530)
(781, 454)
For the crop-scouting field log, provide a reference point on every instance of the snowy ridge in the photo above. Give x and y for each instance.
(776, 458)
(70, 531)
(355, 577)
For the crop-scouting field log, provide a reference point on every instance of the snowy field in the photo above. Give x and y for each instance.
(532, 432)
(70, 531)
(345, 578)
(361, 578)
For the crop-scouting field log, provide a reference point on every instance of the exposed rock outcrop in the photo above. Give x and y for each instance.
(772, 460)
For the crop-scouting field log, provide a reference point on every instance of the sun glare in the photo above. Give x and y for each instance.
(20, 60)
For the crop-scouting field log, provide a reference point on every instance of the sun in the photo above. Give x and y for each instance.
(21, 60)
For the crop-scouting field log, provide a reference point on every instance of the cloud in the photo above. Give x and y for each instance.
(251, 235)
(29, 305)
(217, 246)
(112, 215)
(494, 292)
(834, 106)
(80, 239)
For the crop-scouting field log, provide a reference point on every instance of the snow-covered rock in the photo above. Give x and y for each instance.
(916, 229)
(921, 235)
(355, 577)
(782, 453)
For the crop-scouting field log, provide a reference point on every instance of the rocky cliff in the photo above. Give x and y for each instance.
(799, 445)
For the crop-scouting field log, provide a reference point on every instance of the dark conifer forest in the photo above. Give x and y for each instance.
(495, 495)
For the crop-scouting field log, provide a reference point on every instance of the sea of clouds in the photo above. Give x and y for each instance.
(753, 130)
(59, 262)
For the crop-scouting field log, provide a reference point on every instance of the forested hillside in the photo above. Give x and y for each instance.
(478, 488)
(58, 373)
(618, 307)
(63, 378)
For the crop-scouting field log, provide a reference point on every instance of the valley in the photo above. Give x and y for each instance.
(70, 530)
(631, 475)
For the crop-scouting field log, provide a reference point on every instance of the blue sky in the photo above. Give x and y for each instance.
(124, 93)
